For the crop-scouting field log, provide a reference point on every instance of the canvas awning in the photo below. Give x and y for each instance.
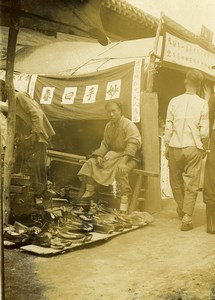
(80, 57)
(80, 18)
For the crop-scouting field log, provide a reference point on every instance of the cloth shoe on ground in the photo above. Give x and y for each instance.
(210, 214)
(186, 223)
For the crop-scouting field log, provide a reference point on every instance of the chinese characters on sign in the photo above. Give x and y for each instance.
(90, 93)
(47, 95)
(135, 102)
(69, 95)
(124, 86)
(113, 90)
(32, 84)
(184, 53)
(21, 80)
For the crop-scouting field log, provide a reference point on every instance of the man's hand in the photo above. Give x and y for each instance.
(123, 169)
(99, 161)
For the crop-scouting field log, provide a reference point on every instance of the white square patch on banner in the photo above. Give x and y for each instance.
(47, 95)
(90, 93)
(113, 90)
(69, 95)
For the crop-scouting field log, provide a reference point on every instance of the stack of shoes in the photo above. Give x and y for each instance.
(186, 223)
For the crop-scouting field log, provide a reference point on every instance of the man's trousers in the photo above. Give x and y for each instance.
(185, 169)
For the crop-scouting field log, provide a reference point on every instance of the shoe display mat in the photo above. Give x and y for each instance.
(45, 251)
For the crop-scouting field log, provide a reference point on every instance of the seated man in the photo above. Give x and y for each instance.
(116, 156)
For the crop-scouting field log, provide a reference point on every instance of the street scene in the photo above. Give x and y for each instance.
(107, 145)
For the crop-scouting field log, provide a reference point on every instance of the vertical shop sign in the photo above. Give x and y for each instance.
(136, 89)
(32, 84)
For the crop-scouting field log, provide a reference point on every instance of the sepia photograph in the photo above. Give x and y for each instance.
(107, 150)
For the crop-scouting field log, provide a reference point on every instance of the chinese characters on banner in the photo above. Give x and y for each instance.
(136, 89)
(69, 95)
(47, 95)
(20, 80)
(184, 53)
(113, 90)
(32, 85)
(90, 93)
(66, 97)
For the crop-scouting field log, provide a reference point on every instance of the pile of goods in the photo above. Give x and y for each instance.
(61, 227)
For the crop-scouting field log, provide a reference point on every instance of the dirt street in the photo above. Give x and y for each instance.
(154, 262)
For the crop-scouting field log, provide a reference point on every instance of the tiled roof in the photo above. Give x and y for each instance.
(146, 20)
(131, 12)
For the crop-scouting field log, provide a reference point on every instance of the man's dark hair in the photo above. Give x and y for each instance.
(195, 77)
(116, 102)
(3, 95)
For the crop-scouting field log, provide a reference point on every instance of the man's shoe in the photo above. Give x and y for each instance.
(186, 223)
(186, 227)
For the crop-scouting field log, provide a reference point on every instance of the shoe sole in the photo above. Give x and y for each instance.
(184, 228)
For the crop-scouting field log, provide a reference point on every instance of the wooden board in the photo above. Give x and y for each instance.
(149, 129)
(43, 251)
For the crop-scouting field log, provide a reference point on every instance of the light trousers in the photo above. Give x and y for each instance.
(185, 169)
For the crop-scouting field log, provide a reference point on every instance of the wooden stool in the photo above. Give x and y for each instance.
(142, 177)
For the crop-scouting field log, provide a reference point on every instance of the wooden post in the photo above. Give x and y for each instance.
(151, 68)
(149, 129)
(151, 155)
(8, 160)
(1, 227)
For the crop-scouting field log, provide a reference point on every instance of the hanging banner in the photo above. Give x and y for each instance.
(136, 87)
(184, 53)
(20, 80)
(84, 97)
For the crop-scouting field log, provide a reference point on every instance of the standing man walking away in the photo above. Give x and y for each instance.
(186, 138)
(209, 183)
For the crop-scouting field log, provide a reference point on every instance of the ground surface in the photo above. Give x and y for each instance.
(154, 262)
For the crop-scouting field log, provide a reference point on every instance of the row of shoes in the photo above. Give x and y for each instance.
(75, 226)
(20, 234)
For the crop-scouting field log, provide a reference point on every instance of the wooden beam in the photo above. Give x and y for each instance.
(8, 160)
(145, 173)
(151, 68)
(151, 153)
(1, 227)
(149, 129)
